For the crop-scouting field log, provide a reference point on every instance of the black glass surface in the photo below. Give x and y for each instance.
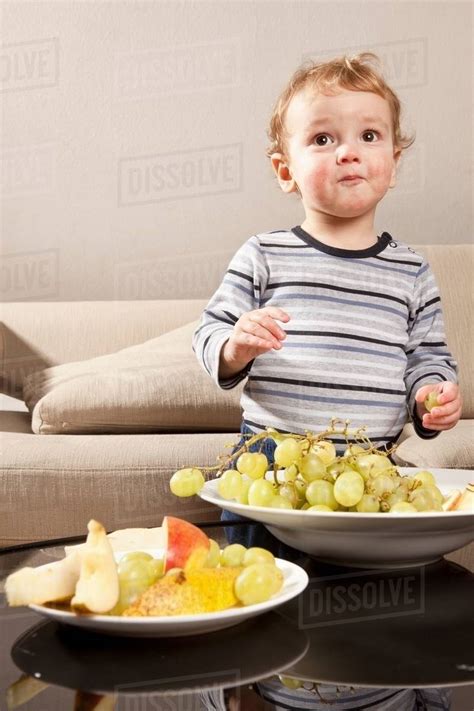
(362, 631)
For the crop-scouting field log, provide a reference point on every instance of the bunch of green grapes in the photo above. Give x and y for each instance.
(308, 475)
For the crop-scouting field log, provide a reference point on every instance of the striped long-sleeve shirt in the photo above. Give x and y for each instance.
(365, 333)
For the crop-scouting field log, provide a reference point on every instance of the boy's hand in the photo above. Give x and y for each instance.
(255, 332)
(444, 415)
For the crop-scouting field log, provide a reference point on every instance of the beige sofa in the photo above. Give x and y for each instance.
(153, 410)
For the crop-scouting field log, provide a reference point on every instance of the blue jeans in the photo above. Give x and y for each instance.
(255, 534)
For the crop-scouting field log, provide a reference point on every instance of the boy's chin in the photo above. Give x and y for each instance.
(349, 213)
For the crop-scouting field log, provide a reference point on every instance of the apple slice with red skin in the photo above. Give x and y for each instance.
(181, 539)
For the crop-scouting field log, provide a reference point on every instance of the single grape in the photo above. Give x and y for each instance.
(370, 465)
(157, 568)
(290, 472)
(423, 499)
(279, 502)
(258, 555)
(403, 507)
(337, 468)
(214, 555)
(353, 450)
(257, 583)
(395, 497)
(243, 497)
(425, 477)
(135, 555)
(325, 450)
(435, 493)
(319, 507)
(261, 492)
(301, 486)
(187, 482)
(398, 480)
(406, 483)
(431, 400)
(252, 464)
(368, 504)
(287, 452)
(137, 571)
(233, 555)
(288, 491)
(127, 595)
(382, 484)
(229, 484)
(311, 467)
(321, 492)
(349, 488)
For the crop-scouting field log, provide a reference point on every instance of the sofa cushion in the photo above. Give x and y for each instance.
(452, 449)
(155, 386)
(51, 486)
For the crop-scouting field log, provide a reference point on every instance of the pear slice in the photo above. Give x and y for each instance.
(47, 583)
(466, 502)
(451, 500)
(97, 589)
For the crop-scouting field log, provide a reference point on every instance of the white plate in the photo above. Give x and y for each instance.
(295, 581)
(377, 540)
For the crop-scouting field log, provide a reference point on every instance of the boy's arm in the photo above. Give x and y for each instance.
(239, 292)
(429, 361)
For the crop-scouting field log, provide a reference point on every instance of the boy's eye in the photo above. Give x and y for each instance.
(373, 136)
(322, 139)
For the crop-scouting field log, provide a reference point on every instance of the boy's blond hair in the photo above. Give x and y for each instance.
(352, 73)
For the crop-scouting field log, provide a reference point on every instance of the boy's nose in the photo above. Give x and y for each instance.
(346, 153)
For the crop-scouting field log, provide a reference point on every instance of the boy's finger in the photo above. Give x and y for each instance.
(275, 312)
(269, 324)
(256, 329)
(449, 391)
(450, 419)
(440, 426)
(423, 392)
(247, 339)
(447, 409)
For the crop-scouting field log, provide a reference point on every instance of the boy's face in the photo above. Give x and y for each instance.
(331, 137)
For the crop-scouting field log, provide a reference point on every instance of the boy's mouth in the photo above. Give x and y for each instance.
(350, 178)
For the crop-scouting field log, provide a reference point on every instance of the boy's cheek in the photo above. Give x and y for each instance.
(381, 170)
(319, 181)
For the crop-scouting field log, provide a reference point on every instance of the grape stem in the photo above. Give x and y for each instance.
(336, 427)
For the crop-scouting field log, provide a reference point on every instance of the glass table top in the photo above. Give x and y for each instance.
(354, 639)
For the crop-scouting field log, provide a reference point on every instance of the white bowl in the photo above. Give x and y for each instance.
(377, 540)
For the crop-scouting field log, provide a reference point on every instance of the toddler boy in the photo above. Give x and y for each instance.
(329, 319)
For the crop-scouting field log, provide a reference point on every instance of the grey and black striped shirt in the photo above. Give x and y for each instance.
(366, 331)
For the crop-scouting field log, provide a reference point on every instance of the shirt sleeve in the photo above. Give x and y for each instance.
(240, 291)
(428, 357)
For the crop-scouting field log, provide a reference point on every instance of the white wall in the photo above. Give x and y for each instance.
(98, 96)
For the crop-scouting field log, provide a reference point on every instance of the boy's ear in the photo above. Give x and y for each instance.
(396, 157)
(283, 173)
